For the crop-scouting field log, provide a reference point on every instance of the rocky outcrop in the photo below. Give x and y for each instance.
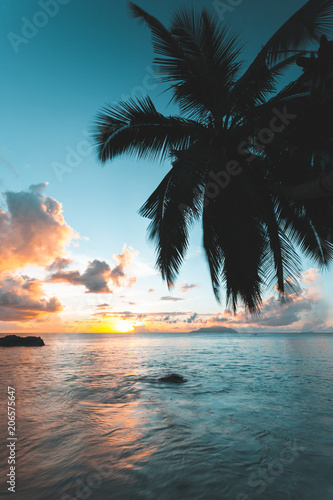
(172, 378)
(15, 341)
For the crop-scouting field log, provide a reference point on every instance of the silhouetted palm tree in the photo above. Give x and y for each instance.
(255, 164)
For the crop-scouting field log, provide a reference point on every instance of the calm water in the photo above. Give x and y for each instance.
(253, 421)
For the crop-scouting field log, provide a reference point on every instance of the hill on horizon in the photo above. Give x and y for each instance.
(215, 329)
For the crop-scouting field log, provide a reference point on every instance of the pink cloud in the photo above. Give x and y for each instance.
(22, 298)
(118, 275)
(311, 275)
(32, 230)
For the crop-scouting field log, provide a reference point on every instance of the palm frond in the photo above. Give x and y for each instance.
(215, 54)
(213, 250)
(163, 42)
(308, 24)
(186, 26)
(199, 60)
(253, 91)
(136, 128)
(172, 209)
(286, 262)
(253, 231)
(314, 231)
(236, 251)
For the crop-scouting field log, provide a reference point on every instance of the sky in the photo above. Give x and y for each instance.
(74, 250)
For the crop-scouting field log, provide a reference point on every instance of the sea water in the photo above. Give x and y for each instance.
(254, 420)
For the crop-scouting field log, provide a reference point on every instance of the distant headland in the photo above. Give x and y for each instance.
(215, 329)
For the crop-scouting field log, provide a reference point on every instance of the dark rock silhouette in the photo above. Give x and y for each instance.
(15, 341)
(172, 378)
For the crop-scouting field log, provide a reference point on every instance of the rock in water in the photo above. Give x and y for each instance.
(173, 378)
(15, 341)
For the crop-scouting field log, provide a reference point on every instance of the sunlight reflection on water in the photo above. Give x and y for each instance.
(253, 421)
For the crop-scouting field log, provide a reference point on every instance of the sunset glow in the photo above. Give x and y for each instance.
(123, 326)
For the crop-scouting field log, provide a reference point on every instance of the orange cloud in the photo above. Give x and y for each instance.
(141, 329)
(22, 298)
(118, 275)
(311, 275)
(32, 230)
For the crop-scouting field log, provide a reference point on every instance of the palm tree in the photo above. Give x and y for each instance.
(254, 163)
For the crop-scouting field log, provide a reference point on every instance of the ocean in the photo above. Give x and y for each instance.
(254, 420)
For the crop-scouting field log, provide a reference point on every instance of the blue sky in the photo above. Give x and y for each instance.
(52, 85)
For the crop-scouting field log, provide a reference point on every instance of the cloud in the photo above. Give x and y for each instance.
(95, 278)
(274, 313)
(187, 286)
(311, 275)
(172, 299)
(98, 275)
(315, 324)
(103, 314)
(192, 318)
(22, 298)
(103, 306)
(151, 290)
(156, 316)
(32, 230)
(140, 329)
(219, 319)
(59, 264)
(118, 275)
(302, 311)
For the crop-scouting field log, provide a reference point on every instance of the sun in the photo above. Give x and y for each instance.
(123, 326)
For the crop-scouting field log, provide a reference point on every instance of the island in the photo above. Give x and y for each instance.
(215, 329)
(15, 341)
